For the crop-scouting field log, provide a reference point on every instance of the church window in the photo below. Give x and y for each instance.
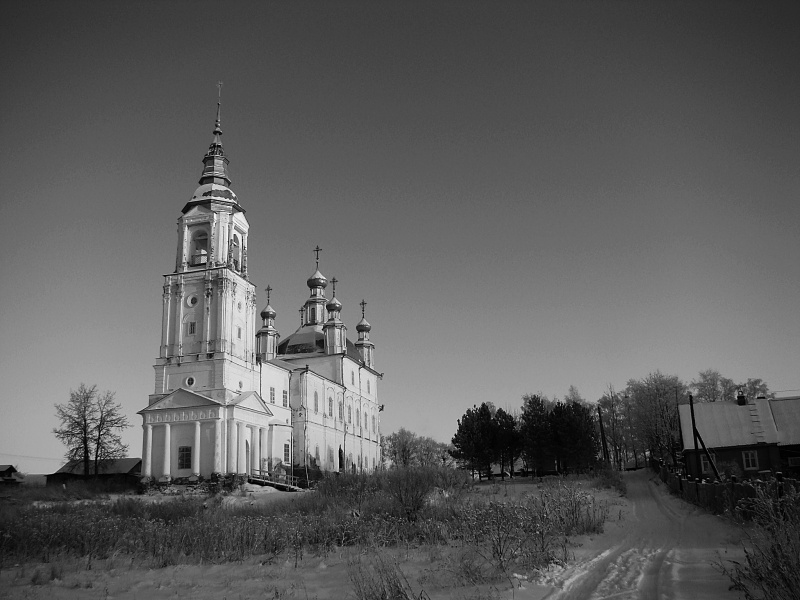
(239, 332)
(286, 453)
(272, 395)
(190, 381)
(358, 417)
(316, 402)
(316, 454)
(285, 398)
(330, 456)
(373, 423)
(349, 414)
(365, 419)
(199, 248)
(341, 411)
(236, 252)
(352, 378)
(330, 406)
(192, 328)
(184, 457)
(368, 386)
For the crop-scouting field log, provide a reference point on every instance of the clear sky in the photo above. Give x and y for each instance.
(528, 195)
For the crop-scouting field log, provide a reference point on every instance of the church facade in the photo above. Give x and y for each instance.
(231, 396)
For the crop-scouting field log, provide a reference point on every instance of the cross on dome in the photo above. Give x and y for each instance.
(363, 304)
(317, 250)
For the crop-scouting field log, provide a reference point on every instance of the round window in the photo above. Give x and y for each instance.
(190, 381)
(192, 300)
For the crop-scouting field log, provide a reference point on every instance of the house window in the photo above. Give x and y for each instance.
(750, 460)
(330, 406)
(272, 395)
(285, 398)
(184, 457)
(286, 453)
(192, 329)
(705, 465)
(316, 402)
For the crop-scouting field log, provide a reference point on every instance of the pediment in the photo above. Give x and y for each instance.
(197, 211)
(182, 398)
(252, 401)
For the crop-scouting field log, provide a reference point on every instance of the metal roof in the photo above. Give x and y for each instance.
(725, 424)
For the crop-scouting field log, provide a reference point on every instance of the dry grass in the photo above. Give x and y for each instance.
(471, 535)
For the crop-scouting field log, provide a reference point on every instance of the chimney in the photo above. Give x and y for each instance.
(741, 399)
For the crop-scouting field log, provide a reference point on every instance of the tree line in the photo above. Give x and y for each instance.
(639, 421)
(549, 435)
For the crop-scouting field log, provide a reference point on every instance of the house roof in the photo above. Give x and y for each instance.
(7, 467)
(725, 424)
(120, 466)
(786, 414)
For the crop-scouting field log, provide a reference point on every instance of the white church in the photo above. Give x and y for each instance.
(230, 396)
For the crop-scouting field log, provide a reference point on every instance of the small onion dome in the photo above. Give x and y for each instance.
(334, 305)
(317, 280)
(363, 325)
(268, 312)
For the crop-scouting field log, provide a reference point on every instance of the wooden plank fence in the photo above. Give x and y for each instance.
(731, 497)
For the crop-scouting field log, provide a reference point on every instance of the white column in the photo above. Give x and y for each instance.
(231, 446)
(147, 466)
(217, 446)
(253, 449)
(196, 450)
(262, 447)
(167, 442)
(242, 458)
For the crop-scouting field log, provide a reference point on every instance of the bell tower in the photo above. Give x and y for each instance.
(208, 320)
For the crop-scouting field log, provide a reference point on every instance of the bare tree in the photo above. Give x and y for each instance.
(90, 426)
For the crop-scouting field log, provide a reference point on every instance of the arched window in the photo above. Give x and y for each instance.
(373, 423)
(365, 420)
(352, 377)
(316, 402)
(349, 414)
(341, 410)
(316, 454)
(198, 252)
(358, 417)
(330, 406)
(236, 251)
(368, 386)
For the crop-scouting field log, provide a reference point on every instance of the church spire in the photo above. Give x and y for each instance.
(365, 347)
(215, 165)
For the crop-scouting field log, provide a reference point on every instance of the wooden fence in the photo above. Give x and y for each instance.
(730, 497)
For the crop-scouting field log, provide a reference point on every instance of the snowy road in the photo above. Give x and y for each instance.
(662, 549)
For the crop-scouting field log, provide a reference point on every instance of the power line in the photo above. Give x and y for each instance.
(31, 457)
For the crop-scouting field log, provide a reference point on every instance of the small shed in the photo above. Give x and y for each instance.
(121, 470)
(8, 475)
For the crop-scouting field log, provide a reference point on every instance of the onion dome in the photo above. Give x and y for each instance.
(363, 325)
(333, 305)
(268, 312)
(317, 280)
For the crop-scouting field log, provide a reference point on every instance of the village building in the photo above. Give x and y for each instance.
(748, 438)
(230, 396)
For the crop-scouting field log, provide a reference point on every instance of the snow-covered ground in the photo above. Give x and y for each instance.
(654, 547)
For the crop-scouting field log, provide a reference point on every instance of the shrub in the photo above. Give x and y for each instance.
(607, 477)
(771, 570)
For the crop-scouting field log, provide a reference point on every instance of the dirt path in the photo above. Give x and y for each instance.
(662, 549)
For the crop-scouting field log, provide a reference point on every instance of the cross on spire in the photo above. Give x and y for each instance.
(317, 250)
(219, 94)
(268, 289)
(334, 281)
(363, 304)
